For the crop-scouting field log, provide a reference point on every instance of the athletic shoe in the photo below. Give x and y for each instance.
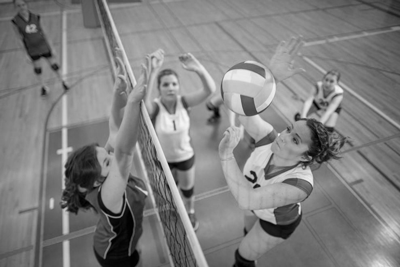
(213, 119)
(210, 106)
(297, 116)
(194, 221)
(65, 86)
(44, 91)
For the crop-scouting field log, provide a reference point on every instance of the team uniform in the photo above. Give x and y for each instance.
(173, 133)
(34, 39)
(279, 221)
(117, 235)
(321, 102)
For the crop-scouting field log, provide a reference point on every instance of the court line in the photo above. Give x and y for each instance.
(352, 36)
(16, 252)
(364, 202)
(64, 140)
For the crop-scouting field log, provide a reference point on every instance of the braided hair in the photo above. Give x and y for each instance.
(324, 145)
(81, 171)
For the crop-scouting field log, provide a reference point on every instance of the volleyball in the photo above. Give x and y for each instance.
(248, 88)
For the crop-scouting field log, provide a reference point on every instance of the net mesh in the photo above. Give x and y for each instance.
(176, 237)
(179, 245)
(113, 46)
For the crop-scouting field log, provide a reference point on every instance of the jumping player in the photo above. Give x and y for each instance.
(99, 178)
(326, 97)
(29, 30)
(277, 175)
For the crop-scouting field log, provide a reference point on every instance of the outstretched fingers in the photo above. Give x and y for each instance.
(297, 46)
(281, 47)
(120, 67)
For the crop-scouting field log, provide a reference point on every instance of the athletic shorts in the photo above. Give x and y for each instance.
(37, 57)
(183, 165)
(282, 231)
(337, 110)
(130, 261)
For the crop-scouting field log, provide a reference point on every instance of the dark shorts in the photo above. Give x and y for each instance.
(337, 110)
(37, 57)
(130, 261)
(282, 231)
(183, 165)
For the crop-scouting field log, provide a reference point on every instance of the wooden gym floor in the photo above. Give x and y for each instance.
(353, 216)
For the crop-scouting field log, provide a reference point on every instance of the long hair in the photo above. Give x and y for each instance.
(324, 145)
(81, 171)
(163, 73)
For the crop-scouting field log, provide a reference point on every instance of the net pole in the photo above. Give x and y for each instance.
(120, 45)
(190, 234)
(107, 42)
(137, 161)
(196, 248)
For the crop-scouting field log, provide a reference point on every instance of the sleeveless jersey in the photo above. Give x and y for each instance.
(323, 102)
(173, 131)
(117, 235)
(33, 36)
(254, 172)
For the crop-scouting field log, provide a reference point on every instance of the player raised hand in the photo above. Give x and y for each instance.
(139, 91)
(156, 60)
(190, 63)
(282, 61)
(229, 141)
(120, 84)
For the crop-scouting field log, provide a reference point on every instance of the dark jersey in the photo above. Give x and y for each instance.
(33, 36)
(116, 235)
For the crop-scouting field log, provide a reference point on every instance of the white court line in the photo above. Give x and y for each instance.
(64, 140)
(351, 36)
(353, 93)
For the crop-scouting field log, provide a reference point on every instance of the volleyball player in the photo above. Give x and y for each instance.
(170, 115)
(277, 175)
(99, 178)
(327, 97)
(29, 30)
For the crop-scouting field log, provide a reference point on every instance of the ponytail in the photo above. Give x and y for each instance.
(325, 145)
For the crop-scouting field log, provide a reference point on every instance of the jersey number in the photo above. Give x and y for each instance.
(253, 180)
(31, 28)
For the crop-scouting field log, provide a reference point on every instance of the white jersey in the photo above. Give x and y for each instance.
(322, 101)
(254, 172)
(173, 131)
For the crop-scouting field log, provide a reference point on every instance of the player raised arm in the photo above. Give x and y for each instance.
(115, 184)
(190, 63)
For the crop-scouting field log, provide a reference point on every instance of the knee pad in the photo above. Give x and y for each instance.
(242, 262)
(55, 67)
(38, 71)
(187, 193)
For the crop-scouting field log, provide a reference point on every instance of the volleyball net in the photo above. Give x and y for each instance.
(179, 237)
